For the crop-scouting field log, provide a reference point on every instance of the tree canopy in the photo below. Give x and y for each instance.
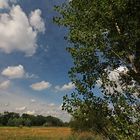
(15, 119)
(105, 38)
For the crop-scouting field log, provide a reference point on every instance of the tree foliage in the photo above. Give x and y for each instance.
(14, 119)
(105, 36)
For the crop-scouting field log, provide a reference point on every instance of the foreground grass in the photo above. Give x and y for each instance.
(43, 133)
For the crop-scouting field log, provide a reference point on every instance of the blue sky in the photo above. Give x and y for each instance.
(33, 59)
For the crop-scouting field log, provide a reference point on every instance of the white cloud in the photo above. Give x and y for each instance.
(13, 1)
(122, 69)
(4, 4)
(7, 104)
(5, 84)
(32, 100)
(60, 107)
(40, 85)
(30, 112)
(16, 101)
(21, 108)
(17, 33)
(52, 105)
(65, 87)
(36, 21)
(114, 75)
(30, 76)
(14, 72)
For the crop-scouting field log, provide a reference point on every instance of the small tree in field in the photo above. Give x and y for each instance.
(105, 36)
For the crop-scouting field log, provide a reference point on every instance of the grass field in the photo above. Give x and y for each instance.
(48, 133)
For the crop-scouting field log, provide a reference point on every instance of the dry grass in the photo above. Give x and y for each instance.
(42, 133)
(52, 133)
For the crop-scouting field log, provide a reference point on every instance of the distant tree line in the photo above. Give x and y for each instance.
(15, 119)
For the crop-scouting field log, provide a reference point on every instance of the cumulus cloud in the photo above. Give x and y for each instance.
(13, 1)
(30, 76)
(40, 85)
(65, 87)
(14, 72)
(5, 84)
(17, 101)
(21, 108)
(30, 112)
(114, 75)
(36, 21)
(17, 33)
(52, 105)
(32, 100)
(4, 4)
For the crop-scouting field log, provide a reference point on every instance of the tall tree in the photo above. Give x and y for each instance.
(105, 36)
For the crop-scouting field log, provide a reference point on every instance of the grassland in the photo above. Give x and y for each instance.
(42, 133)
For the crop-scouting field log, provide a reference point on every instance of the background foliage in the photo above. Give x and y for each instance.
(14, 119)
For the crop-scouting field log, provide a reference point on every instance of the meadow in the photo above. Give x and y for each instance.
(43, 133)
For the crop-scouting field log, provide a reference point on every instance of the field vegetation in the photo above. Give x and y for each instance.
(44, 133)
(37, 127)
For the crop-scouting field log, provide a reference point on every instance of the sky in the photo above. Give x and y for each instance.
(34, 63)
